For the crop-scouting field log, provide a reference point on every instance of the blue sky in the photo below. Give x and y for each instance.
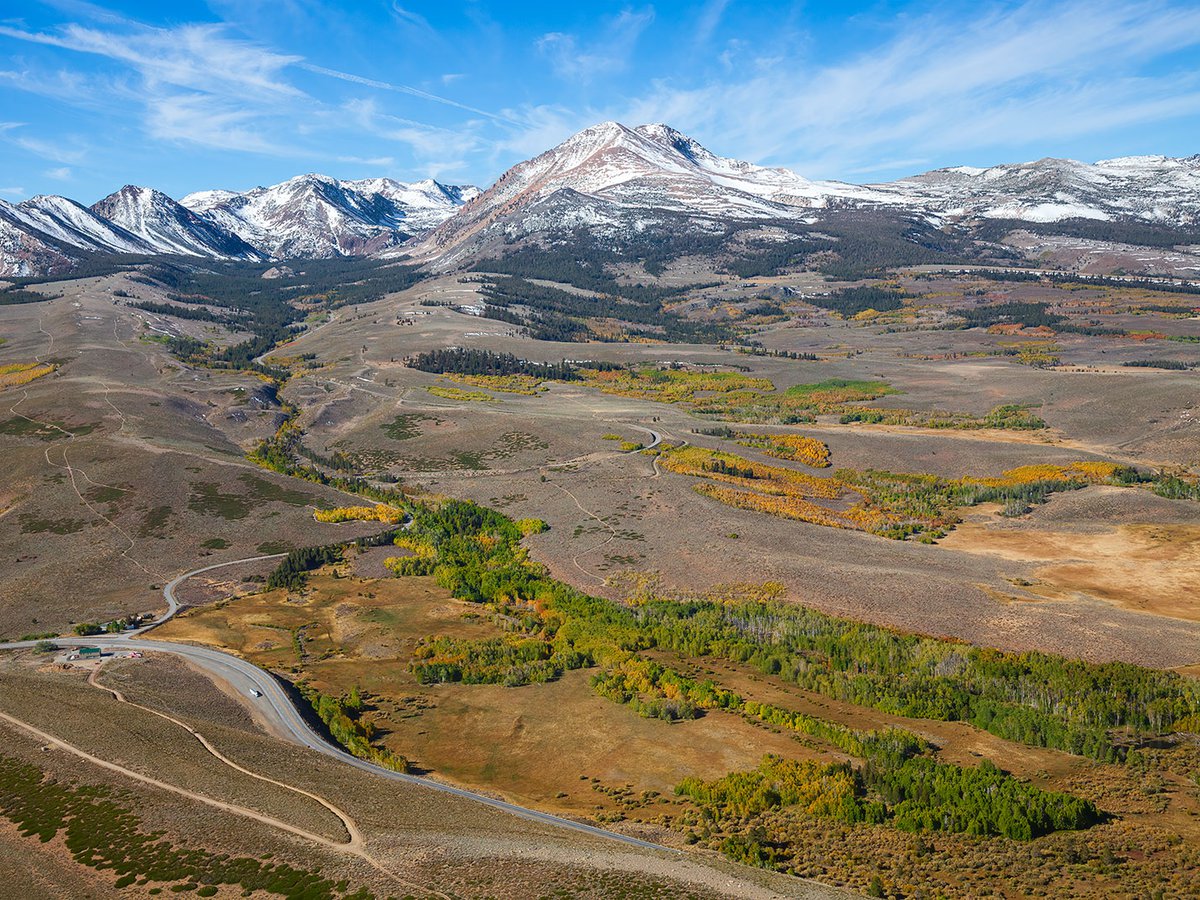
(233, 93)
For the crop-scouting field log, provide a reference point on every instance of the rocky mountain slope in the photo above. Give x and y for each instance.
(1151, 189)
(169, 227)
(315, 215)
(48, 234)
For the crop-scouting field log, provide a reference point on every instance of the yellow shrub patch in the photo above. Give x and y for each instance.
(377, 513)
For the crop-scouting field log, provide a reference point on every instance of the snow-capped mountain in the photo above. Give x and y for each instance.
(1155, 189)
(306, 216)
(319, 216)
(169, 227)
(47, 234)
(652, 168)
(24, 251)
(608, 180)
(73, 224)
(611, 178)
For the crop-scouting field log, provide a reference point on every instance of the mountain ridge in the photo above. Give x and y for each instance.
(609, 180)
(655, 169)
(305, 216)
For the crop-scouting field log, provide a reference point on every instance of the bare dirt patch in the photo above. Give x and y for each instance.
(1145, 567)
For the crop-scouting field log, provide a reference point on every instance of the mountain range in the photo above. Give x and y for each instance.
(608, 180)
(303, 217)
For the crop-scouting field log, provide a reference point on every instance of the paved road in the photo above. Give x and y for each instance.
(656, 438)
(277, 707)
(169, 590)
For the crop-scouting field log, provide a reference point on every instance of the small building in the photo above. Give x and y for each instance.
(89, 652)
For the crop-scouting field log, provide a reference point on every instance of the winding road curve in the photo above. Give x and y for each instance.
(270, 699)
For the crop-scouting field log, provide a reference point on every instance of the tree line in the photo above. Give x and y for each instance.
(467, 361)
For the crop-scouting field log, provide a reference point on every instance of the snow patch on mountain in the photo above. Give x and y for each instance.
(72, 223)
(169, 227)
(318, 216)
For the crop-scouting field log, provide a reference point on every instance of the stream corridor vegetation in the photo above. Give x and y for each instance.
(641, 653)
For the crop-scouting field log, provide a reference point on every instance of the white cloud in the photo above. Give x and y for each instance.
(62, 173)
(608, 54)
(61, 150)
(398, 88)
(709, 19)
(196, 57)
(13, 191)
(1011, 76)
(410, 18)
(436, 149)
(385, 162)
(193, 83)
(62, 84)
(542, 127)
(211, 122)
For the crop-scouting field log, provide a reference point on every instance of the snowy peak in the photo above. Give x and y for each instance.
(315, 215)
(167, 226)
(1155, 189)
(651, 168)
(614, 177)
(203, 201)
(25, 251)
(608, 179)
(64, 220)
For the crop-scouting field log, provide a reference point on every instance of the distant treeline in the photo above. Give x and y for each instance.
(199, 314)
(1159, 364)
(463, 361)
(1028, 315)
(555, 314)
(1141, 234)
(852, 301)
(579, 264)
(851, 244)
(13, 296)
(1146, 284)
(272, 307)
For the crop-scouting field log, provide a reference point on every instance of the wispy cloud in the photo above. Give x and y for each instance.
(194, 83)
(317, 81)
(410, 18)
(1010, 76)
(401, 89)
(212, 122)
(63, 150)
(13, 191)
(708, 20)
(437, 150)
(378, 161)
(542, 127)
(197, 57)
(63, 173)
(61, 84)
(198, 84)
(607, 54)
